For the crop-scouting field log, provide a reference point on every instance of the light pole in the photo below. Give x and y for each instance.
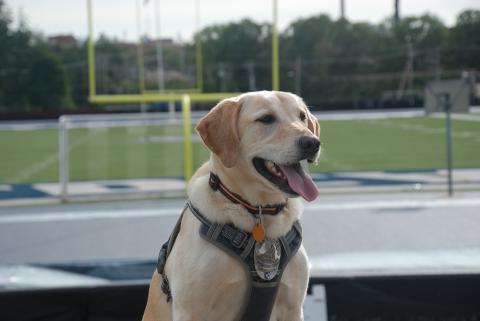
(140, 61)
(160, 69)
(198, 47)
(91, 52)
(397, 11)
(275, 64)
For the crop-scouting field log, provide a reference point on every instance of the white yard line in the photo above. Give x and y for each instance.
(427, 130)
(373, 205)
(46, 162)
(90, 215)
(369, 114)
(27, 126)
(33, 169)
(464, 117)
(398, 262)
(175, 211)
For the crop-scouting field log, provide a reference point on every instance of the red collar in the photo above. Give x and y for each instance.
(216, 184)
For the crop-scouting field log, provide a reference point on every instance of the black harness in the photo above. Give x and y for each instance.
(240, 245)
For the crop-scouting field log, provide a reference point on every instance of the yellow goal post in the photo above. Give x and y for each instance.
(186, 97)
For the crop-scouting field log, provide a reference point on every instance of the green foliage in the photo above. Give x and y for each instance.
(328, 62)
(227, 51)
(424, 32)
(466, 35)
(47, 83)
(31, 77)
(116, 63)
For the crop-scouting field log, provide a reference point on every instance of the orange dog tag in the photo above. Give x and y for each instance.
(258, 232)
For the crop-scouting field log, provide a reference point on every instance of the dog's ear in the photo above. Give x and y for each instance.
(313, 125)
(219, 131)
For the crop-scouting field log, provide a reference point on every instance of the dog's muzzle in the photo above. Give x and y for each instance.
(309, 147)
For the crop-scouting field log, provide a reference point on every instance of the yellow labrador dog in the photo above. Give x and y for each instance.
(257, 142)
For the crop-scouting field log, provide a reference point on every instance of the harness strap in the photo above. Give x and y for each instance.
(240, 244)
(163, 255)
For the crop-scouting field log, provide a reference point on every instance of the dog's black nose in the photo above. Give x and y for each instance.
(308, 145)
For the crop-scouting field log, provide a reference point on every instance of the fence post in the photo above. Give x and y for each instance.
(63, 157)
(187, 138)
(447, 107)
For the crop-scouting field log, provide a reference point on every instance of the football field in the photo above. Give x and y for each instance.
(97, 153)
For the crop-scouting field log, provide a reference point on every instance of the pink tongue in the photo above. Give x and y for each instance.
(300, 182)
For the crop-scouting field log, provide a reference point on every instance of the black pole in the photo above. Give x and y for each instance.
(447, 105)
(396, 15)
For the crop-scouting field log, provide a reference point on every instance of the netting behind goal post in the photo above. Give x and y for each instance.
(126, 155)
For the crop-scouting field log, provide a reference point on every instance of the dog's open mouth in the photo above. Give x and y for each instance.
(289, 178)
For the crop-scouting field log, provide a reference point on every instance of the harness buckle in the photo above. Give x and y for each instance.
(239, 239)
(236, 237)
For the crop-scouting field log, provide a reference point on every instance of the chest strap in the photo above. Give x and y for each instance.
(261, 294)
(240, 245)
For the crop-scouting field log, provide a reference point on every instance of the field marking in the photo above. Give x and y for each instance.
(90, 215)
(396, 262)
(152, 139)
(27, 126)
(369, 114)
(175, 211)
(426, 130)
(33, 169)
(398, 204)
(462, 117)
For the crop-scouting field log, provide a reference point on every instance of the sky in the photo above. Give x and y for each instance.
(177, 17)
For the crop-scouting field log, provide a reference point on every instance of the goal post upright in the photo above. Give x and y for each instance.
(184, 96)
(187, 138)
(143, 93)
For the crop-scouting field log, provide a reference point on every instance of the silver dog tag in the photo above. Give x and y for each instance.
(266, 258)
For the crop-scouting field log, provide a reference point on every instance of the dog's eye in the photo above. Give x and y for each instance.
(302, 116)
(266, 119)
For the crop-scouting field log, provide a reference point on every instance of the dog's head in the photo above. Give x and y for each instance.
(267, 134)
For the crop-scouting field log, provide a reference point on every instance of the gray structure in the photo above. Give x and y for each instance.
(459, 91)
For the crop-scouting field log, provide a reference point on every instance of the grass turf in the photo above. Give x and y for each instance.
(141, 152)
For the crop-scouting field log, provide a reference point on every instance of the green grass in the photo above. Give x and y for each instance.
(397, 144)
(137, 152)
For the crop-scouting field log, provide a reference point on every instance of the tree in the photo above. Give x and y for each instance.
(31, 77)
(227, 51)
(4, 45)
(47, 83)
(464, 41)
(423, 32)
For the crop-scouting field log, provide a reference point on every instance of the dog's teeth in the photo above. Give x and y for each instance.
(270, 164)
(274, 169)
